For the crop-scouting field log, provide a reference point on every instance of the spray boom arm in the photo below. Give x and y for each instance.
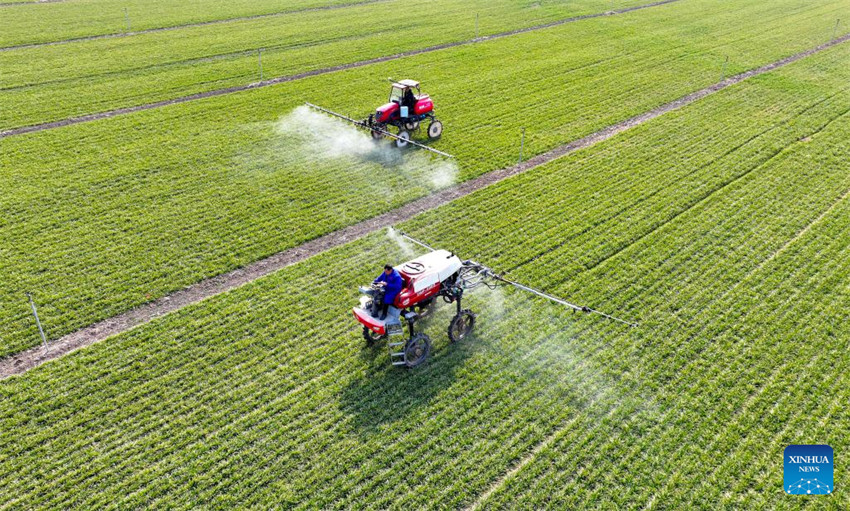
(362, 124)
(474, 274)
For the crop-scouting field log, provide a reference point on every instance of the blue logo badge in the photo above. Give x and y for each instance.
(808, 470)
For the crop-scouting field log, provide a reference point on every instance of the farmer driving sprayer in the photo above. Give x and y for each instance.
(436, 276)
(391, 284)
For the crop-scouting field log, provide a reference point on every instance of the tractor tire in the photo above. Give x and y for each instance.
(377, 135)
(411, 126)
(435, 129)
(461, 325)
(403, 138)
(416, 350)
(372, 337)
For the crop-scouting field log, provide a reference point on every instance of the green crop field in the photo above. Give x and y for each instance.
(141, 221)
(720, 227)
(53, 82)
(33, 23)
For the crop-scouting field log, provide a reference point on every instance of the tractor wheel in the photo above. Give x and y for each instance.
(403, 138)
(372, 337)
(416, 350)
(435, 129)
(411, 125)
(461, 325)
(377, 135)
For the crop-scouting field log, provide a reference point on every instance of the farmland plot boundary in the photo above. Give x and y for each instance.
(35, 2)
(619, 212)
(178, 27)
(776, 372)
(711, 192)
(754, 394)
(20, 363)
(806, 229)
(316, 72)
(785, 246)
(542, 445)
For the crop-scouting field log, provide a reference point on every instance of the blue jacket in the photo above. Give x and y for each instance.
(393, 286)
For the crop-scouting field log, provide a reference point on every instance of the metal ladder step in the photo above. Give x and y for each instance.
(396, 358)
(395, 329)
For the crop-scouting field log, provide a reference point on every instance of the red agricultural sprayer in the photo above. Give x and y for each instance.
(437, 275)
(405, 111)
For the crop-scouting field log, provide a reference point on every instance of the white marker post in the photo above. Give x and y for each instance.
(723, 72)
(37, 321)
(127, 18)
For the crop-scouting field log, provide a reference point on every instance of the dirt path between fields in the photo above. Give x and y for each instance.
(316, 72)
(195, 293)
(178, 27)
(36, 2)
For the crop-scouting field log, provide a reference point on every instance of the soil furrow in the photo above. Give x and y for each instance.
(316, 72)
(35, 2)
(178, 27)
(204, 289)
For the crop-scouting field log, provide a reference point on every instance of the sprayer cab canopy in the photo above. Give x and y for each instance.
(399, 90)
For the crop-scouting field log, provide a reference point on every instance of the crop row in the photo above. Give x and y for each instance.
(630, 206)
(310, 31)
(266, 397)
(65, 20)
(674, 264)
(105, 216)
(50, 83)
(770, 371)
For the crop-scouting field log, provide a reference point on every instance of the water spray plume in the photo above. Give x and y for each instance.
(320, 137)
(405, 246)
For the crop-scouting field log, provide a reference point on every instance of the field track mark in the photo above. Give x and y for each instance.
(773, 255)
(316, 72)
(798, 236)
(36, 2)
(17, 364)
(651, 501)
(697, 202)
(498, 483)
(178, 27)
(702, 167)
(624, 209)
(740, 409)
